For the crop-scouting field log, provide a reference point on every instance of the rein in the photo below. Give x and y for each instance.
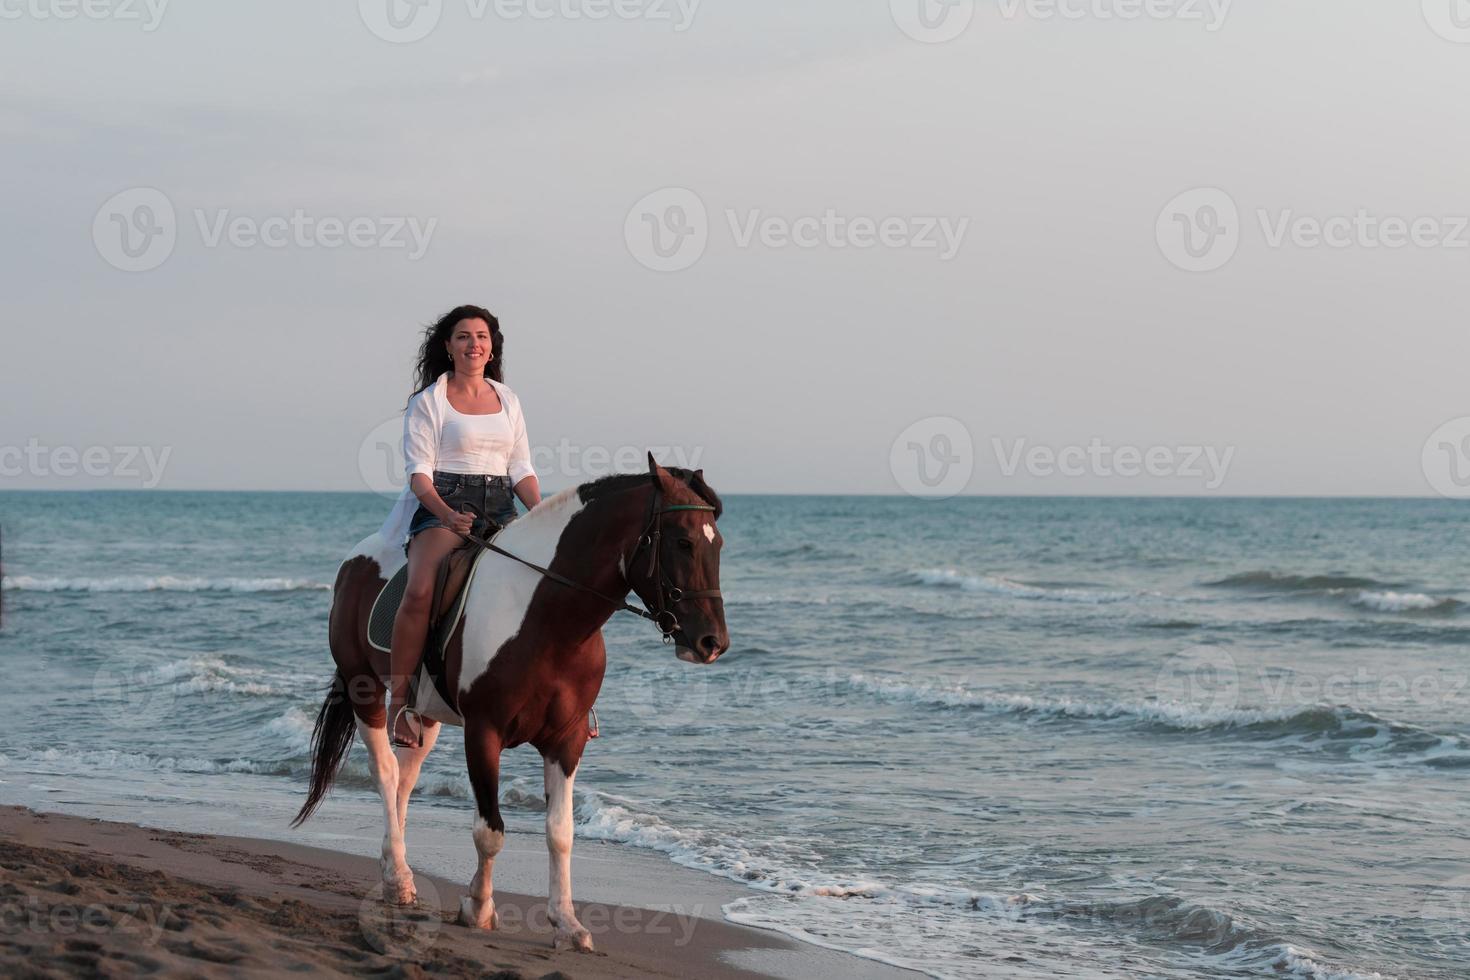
(651, 537)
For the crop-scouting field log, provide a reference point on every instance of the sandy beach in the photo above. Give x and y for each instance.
(89, 897)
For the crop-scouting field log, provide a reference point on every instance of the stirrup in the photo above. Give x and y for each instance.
(400, 717)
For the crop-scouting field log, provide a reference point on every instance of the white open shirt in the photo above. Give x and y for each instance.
(423, 421)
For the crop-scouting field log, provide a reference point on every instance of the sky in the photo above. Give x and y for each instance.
(876, 246)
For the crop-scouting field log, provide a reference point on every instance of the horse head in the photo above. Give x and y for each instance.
(675, 569)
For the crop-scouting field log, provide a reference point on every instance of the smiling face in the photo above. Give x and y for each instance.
(469, 346)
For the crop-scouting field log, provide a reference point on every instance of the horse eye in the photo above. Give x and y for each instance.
(686, 544)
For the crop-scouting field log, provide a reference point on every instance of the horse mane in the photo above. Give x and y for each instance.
(619, 482)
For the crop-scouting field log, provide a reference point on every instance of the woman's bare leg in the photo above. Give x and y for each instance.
(425, 552)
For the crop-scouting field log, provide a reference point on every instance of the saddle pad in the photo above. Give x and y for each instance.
(385, 610)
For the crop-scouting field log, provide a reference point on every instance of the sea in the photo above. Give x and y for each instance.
(1042, 737)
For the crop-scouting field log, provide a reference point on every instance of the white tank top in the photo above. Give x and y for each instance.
(474, 443)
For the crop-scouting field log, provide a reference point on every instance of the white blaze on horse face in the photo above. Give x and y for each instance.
(709, 533)
(501, 593)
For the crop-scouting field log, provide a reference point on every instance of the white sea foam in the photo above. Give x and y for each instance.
(158, 583)
(212, 674)
(92, 760)
(1293, 962)
(1365, 593)
(601, 816)
(292, 730)
(996, 585)
(1400, 601)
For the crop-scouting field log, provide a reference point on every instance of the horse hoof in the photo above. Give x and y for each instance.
(468, 916)
(579, 940)
(397, 889)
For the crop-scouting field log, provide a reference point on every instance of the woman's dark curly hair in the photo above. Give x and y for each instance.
(434, 358)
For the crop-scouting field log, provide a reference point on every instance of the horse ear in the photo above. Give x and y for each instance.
(655, 471)
(697, 484)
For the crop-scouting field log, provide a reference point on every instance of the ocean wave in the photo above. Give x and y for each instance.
(768, 599)
(996, 585)
(213, 675)
(1168, 714)
(824, 911)
(1212, 937)
(1322, 726)
(805, 551)
(1276, 582)
(290, 735)
(1404, 602)
(1293, 962)
(1362, 593)
(91, 760)
(292, 731)
(604, 817)
(158, 583)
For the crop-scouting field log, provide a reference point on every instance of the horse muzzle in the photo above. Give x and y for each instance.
(707, 651)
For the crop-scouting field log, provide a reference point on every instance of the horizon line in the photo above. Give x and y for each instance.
(773, 493)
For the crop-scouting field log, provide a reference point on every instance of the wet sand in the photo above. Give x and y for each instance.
(87, 897)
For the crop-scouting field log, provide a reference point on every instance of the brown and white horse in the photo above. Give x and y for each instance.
(527, 662)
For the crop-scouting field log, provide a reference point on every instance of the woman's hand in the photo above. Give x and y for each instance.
(459, 522)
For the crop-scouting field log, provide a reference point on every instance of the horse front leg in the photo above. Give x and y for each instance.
(410, 761)
(482, 754)
(569, 931)
(397, 877)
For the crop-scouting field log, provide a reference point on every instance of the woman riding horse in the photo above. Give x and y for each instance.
(465, 448)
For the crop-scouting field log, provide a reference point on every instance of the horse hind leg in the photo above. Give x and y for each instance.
(397, 877)
(482, 753)
(569, 932)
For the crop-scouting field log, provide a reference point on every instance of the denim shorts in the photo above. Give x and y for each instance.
(489, 498)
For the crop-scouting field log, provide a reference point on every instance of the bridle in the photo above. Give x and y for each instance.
(667, 593)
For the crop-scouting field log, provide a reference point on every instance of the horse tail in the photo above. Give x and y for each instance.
(330, 740)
